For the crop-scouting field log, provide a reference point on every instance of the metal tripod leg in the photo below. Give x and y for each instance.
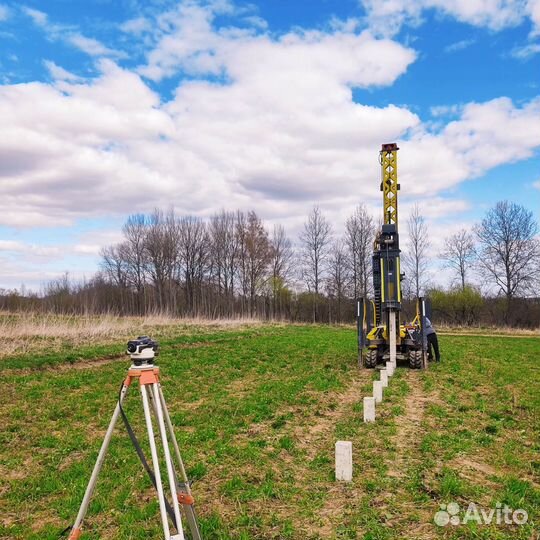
(188, 508)
(168, 461)
(76, 529)
(155, 463)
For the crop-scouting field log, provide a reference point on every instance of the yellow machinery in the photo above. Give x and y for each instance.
(381, 337)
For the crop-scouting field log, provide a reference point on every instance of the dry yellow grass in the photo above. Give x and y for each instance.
(27, 332)
(506, 331)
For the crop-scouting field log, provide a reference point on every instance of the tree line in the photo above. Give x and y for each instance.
(232, 265)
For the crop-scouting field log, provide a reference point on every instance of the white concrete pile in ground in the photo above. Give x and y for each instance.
(377, 391)
(344, 461)
(369, 409)
(384, 378)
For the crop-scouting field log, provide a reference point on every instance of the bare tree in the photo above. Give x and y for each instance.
(281, 261)
(459, 254)
(161, 247)
(359, 235)
(242, 273)
(253, 257)
(315, 239)
(114, 265)
(193, 259)
(115, 268)
(257, 256)
(135, 254)
(416, 258)
(508, 249)
(224, 251)
(338, 275)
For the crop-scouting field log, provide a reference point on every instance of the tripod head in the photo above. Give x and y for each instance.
(142, 350)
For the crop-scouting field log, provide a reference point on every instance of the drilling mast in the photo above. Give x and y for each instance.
(386, 263)
(381, 337)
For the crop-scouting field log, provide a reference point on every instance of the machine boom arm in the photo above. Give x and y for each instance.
(380, 333)
(389, 183)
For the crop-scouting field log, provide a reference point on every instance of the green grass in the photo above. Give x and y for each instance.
(257, 412)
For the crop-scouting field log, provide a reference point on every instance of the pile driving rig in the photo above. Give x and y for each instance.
(381, 337)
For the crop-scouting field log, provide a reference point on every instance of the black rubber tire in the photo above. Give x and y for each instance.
(415, 359)
(370, 359)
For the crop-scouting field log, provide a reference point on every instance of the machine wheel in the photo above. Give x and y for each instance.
(415, 359)
(370, 360)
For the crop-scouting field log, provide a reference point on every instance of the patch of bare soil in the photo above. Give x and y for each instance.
(338, 495)
(317, 436)
(397, 503)
(409, 426)
(97, 362)
(243, 385)
(313, 433)
(309, 436)
(474, 470)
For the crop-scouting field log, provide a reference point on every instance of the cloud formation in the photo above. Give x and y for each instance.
(69, 34)
(4, 12)
(459, 45)
(280, 124)
(386, 17)
(278, 130)
(255, 120)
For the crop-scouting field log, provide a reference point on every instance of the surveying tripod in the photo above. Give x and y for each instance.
(142, 352)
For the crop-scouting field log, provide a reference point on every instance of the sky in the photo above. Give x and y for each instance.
(115, 107)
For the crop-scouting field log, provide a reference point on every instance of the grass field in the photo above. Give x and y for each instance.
(257, 411)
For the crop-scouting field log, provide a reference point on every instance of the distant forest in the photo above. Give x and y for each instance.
(231, 265)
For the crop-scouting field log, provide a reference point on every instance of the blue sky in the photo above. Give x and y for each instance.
(115, 107)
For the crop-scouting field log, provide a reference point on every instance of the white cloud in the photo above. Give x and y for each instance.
(536, 184)
(194, 46)
(434, 208)
(459, 45)
(386, 17)
(285, 117)
(34, 264)
(533, 8)
(87, 249)
(14, 274)
(91, 46)
(281, 133)
(91, 242)
(484, 136)
(10, 245)
(38, 17)
(88, 244)
(489, 134)
(256, 21)
(526, 51)
(136, 26)
(59, 32)
(4, 12)
(30, 250)
(445, 110)
(59, 73)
